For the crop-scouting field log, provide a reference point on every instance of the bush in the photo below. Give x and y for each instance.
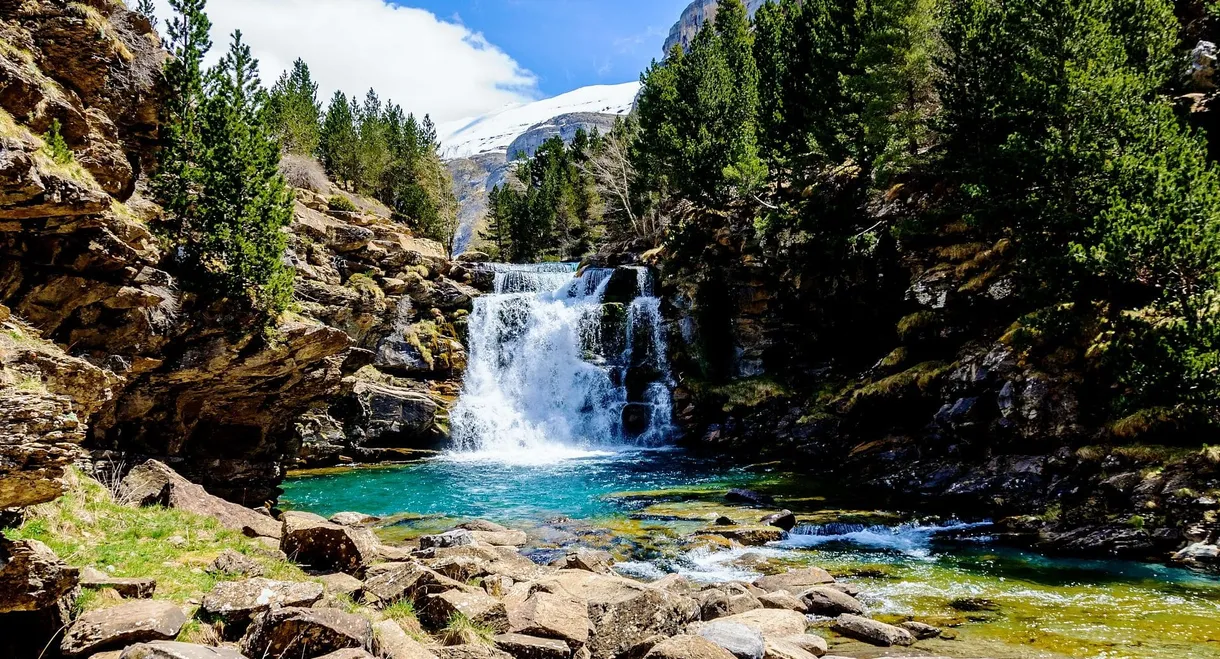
(56, 147)
(303, 172)
(342, 204)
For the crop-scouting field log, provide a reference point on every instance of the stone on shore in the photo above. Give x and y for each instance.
(455, 538)
(921, 630)
(391, 642)
(772, 622)
(476, 606)
(688, 647)
(119, 626)
(830, 602)
(238, 601)
(549, 615)
(746, 535)
(811, 643)
(353, 519)
(726, 600)
(348, 653)
(292, 633)
(406, 581)
(795, 581)
(782, 600)
(741, 641)
(871, 631)
(127, 587)
(175, 650)
(783, 649)
(155, 483)
(340, 583)
(471, 651)
(589, 560)
(521, 646)
(508, 538)
(236, 564)
(313, 541)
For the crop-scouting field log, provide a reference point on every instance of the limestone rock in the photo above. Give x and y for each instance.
(339, 583)
(726, 600)
(128, 587)
(500, 538)
(771, 622)
(349, 653)
(392, 414)
(688, 647)
(550, 615)
(238, 601)
(234, 563)
(32, 577)
(155, 483)
(134, 622)
(746, 535)
(481, 525)
(782, 600)
(457, 538)
(871, 631)
(830, 602)
(174, 650)
(391, 642)
(784, 649)
(739, 640)
(795, 581)
(921, 630)
(811, 643)
(407, 581)
(292, 633)
(476, 606)
(353, 519)
(521, 646)
(585, 559)
(311, 540)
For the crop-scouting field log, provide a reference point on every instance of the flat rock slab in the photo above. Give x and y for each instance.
(393, 643)
(500, 538)
(407, 581)
(32, 577)
(127, 587)
(291, 633)
(238, 601)
(174, 650)
(134, 622)
(339, 583)
(775, 623)
(795, 581)
(237, 564)
(353, 519)
(521, 646)
(783, 649)
(477, 606)
(811, 643)
(782, 600)
(871, 631)
(688, 647)
(735, 638)
(549, 615)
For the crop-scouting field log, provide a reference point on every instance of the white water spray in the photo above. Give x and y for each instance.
(553, 370)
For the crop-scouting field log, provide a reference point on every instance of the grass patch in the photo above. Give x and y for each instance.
(918, 378)
(750, 392)
(464, 631)
(87, 528)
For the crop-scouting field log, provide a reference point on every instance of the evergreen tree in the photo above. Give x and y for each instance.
(743, 167)
(337, 141)
(294, 111)
(181, 148)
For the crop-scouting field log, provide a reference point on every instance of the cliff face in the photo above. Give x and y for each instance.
(101, 346)
(694, 17)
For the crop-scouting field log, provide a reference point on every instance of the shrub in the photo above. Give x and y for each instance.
(303, 172)
(342, 204)
(56, 147)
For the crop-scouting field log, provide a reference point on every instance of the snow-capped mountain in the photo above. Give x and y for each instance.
(495, 131)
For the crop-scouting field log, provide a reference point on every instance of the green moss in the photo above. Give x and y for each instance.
(917, 379)
(364, 284)
(750, 392)
(87, 528)
(911, 325)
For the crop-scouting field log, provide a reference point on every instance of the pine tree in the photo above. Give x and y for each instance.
(744, 169)
(294, 112)
(337, 142)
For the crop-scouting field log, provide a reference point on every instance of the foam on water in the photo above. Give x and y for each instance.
(542, 383)
(912, 539)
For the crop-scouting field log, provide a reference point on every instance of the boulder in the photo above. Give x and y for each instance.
(508, 538)
(688, 647)
(550, 615)
(476, 606)
(623, 613)
(845, 588)
(782, 599)
(811, 643)
(455, 538)
(1199, 556)
(471, 652)
(772, 622)
(296, 633)
(174, 650)
(389, 416)
(784, 519)
(391, 642)
(585, 559)
(155, 483)
(795, 581)
(353, 519)
(746, 535)
(116, 627)
(830, 602)
(871, 631)
(32, 577)
(726, 600)
(521, 646)
(233, 563)
(127, 587)
(339, 583)
(408, 581)
(311, 540)
(739, 640)
(238, 601)
(783, 649)
(472, 256)
(921, 630)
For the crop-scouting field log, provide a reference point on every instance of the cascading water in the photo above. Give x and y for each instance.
(558, 367)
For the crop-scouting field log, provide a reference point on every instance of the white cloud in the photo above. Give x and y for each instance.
(425, 64)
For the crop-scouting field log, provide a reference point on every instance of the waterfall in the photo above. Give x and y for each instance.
(562, 364)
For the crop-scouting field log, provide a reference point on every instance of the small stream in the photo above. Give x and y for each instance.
(561, 431)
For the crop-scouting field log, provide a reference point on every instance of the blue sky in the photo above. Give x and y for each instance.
(568, 43)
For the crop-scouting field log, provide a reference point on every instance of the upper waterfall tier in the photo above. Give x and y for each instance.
(562, 362)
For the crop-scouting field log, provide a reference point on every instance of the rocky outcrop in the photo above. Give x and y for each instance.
(694, 17)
